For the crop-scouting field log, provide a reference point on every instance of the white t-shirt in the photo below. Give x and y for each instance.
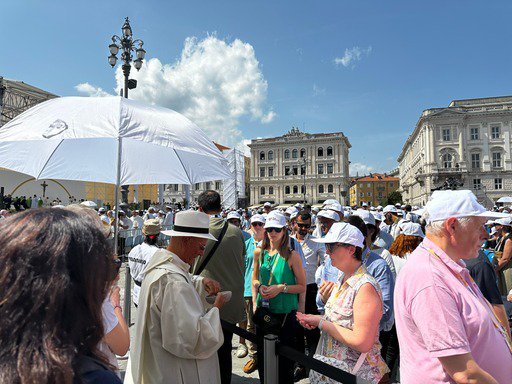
(110, 321)
(169, 219)
(399, 262)
(137, 221)
(138, 258)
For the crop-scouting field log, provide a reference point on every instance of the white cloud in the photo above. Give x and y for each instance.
(215, 83)
(359, 169)
(91, 90)
(318, 91)
(352, 55)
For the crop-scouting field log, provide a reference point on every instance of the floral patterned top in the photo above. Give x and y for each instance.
(339, 310)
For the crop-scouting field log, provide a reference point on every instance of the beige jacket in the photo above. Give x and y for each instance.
(176, 339)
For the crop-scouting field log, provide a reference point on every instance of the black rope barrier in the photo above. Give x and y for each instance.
(319, 366)
(240, 332)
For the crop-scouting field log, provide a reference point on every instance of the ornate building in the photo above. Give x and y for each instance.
(299, 167)
(466, 145)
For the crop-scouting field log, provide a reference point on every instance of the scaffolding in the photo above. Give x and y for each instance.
(16, 97)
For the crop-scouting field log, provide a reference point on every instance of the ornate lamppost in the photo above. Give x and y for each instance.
(127, 45)
(303, 162)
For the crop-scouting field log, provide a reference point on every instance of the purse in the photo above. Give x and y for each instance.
(270, 323)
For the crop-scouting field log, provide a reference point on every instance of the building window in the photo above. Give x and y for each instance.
(286, 153)
(295, 170)
(329, 151)
(175, 187)
(496, 159)
(197, 187)
(302, 189)
(270, 171)
(287, 190)
(447, 161)
(330, 188)
(321, 188)
(320, 152)
(302, 169)
(360, 185)
(217, 185)
(207, 185)
(271, 155)
(270, 190)
(475, 161)
(498, 184)
(477, 184)
(391, 184)
(287, 170)
(262, 190)
(302, 153)
(369, 194)
(495, 132)
(368, 185)
(447, 134)
(295, 189)
(330, 168)
(262, 171)
(474, 133)
(380, 195)
(262, 155)
(361, 194)
(320, 169)
(295, 154)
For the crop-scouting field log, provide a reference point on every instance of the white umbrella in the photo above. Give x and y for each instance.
(88, 203)
(504, 199)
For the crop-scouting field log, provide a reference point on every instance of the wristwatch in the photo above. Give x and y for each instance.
(285, 289)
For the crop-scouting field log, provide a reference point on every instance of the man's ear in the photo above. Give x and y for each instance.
(450, 225)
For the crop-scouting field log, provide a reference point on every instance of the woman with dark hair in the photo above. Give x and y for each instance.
(277, 280)
(56, 270)
(503, 256)
(350, 326)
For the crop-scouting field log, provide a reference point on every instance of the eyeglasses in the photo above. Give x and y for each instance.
(256, 224)
(306, 226)
(270, 230)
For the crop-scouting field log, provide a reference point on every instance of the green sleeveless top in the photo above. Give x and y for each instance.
(283, 302)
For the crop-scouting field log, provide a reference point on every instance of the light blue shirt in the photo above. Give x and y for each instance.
(379, 269)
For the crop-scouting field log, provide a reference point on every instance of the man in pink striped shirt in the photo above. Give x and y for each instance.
(448, 332)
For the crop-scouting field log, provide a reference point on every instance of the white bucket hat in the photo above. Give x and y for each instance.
(343, 233)
(275, 220)
(192, 224)
(328, 214)
(411, 229)
(463, 203)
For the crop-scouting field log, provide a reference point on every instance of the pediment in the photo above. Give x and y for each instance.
(447, 112)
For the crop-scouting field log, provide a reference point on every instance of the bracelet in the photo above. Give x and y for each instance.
(118, 306)
(320, 324)
(258, 289)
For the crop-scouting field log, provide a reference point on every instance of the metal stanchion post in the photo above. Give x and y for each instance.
(127, 295)
(270, 360)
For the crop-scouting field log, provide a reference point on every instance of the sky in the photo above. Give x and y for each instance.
(248, 69)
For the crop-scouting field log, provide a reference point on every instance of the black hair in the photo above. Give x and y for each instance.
(375, 233)
(407, 208)
(304, 215)
(358, 254)
(151, 239)
(209, 201)
(357, 222)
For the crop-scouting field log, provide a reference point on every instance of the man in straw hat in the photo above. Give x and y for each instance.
(447, 330)
(176, 339)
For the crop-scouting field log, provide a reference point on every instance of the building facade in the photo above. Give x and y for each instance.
(372, 189)
(299, 167)
(465, 145)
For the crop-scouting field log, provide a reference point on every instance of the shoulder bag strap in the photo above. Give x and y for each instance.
(359, 363)
(212, 251)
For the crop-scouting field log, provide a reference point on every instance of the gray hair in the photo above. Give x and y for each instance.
(435, 228)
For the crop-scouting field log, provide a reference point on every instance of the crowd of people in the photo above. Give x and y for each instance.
(390, 294)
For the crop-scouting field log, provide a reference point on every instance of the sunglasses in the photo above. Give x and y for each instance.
(256, 224)
(270, 230)
(330, 247)
(117, 264)
(306, 226)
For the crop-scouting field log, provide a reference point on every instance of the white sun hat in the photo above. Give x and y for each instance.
(328, 214)
(365, 215)
(343, 233)
(258, 219)
(463, 203)
(233, 215)
(191, 224)
(411, 229)
(334, 207)
(504, 221)
(275, 220)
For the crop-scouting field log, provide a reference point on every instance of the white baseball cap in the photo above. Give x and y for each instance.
(102, 210)
(275, 220)
(294, 215)
(291, 210)
(334, 207)
(315, 209)
(331, 201)
(504, 221)
(267, 204)
(298, 206)
(343, 233)
(378, 216)
(328, 214)
(258, 219)
(233, 215)
(463, 203)
(364, 205)
(365, 215)
(411, 229)
(390, 208)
